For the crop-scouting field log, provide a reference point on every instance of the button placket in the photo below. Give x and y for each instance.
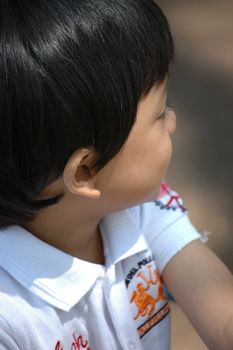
(118, 304)
(131, 345)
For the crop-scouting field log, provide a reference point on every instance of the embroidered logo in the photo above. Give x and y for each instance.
(134, 270)
(169, 199)
(148, 301)
(77, 344)
(154, 320)
(144, 301)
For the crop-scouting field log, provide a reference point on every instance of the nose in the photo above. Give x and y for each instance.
(172, 121)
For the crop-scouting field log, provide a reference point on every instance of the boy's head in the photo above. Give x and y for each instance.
(72, 74)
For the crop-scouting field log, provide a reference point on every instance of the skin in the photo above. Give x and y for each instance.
(199, 281)
(133, 176)
(203, 287)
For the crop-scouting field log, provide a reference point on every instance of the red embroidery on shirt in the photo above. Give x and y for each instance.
(174, 201)
(78, 344)
(163, 189)
(58, 346)
(144, 301)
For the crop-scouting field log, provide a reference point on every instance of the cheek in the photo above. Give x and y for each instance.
(155, 164)
(163, 154)
(136, 175)
(157, 154)
(147, 169)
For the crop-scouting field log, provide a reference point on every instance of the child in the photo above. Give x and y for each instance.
(88, 227)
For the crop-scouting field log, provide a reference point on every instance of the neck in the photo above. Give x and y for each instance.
(69, 228)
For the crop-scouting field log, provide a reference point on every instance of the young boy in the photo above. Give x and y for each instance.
(88, 227)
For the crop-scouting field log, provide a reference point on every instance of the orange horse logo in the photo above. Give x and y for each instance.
(144, 301)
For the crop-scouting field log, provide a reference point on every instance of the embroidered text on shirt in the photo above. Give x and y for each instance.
(77, 344)
(134, 270)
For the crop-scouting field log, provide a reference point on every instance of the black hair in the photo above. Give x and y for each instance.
(71, 75)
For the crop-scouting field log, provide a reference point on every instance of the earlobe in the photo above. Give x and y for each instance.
(78, 176)
(87, 191)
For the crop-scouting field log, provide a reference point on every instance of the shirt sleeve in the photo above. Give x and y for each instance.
(166, 226)
(6, 341)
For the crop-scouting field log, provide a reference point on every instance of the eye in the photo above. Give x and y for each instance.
(164, 113)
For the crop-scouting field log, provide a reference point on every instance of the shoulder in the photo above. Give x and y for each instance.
(7, 342)
(160, 213)
(165, 224)
(18, 305)
(25, 319)
(11, 313)
(12, 295)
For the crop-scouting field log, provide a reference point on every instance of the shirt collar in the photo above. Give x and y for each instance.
(56, 277)
(122, 236)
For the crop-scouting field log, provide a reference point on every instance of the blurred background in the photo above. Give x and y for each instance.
(201, 92)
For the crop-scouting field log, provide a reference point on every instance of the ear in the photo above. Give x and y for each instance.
(78, 175)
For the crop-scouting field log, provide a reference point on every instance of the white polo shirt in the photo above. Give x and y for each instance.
(50, 300)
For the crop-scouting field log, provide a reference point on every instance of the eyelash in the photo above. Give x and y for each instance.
(163, 115)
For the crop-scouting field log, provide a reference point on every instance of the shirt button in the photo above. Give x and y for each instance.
(131, 345)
